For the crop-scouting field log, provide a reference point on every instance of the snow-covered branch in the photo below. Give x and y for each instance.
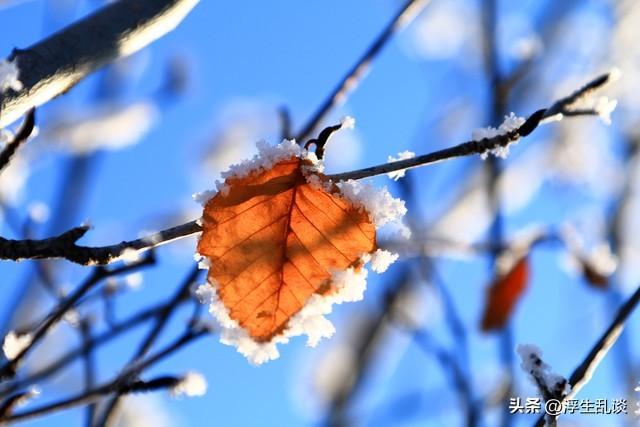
(583, 373)
(54, 65)
(496, 141)
(64, 245)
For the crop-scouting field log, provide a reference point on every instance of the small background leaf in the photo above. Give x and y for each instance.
(503, 294)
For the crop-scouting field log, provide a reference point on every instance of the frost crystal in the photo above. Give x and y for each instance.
(381, 206)
(348, 122)
(396, 175)
(204, 196)
(9, 76)
(539, 372)
(191, 385)
(381, 260)
(267, 157)
(129, 256)
(72, 317)
(511, 123)
(14, 344)
(604, 107)
(133, 281)
(310, 321)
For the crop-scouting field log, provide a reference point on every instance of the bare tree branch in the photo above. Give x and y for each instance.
(553, 113)
(583, 373)
(98, 340)
(64, 246)
(21, 137)
(120, 384)
(53, 66)
(160, 322)
(357, 72)
(9, 368)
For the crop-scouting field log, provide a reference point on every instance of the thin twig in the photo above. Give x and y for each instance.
(116, 385)
(64, 245)
(553, 113)
(160, 322)
(95, 342)
(20, 138)
(357, 72)
(583, 373)
(89, 367)
(8, 369)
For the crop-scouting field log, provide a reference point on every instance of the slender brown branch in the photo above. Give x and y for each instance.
(357, 72)
(119, 384)
(64, 246)
(94, 342)
(8, 369)
(583, 373)
(20, 138)
(160, 322)
(553, 113)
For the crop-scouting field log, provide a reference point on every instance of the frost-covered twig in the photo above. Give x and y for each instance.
(121, 384)
(583, 373)
(160, 322)
(98, 340)
(64, 246)
(54, 65)
(553, 113)
(9, 368)
(357, 72)
(20, 138)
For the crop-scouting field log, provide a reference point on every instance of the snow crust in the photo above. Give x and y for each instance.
(9, 74)
(510, 123)
(537, 369)
(14, 344)
(404, 155)
(191, 385)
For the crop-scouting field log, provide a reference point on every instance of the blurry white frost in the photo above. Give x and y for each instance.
(350, 283)
(510, 123)
(143, 410)
(191, 385)
(537, 369)
(404, 155)
(109, 127)
(14, 344)
(9, 74)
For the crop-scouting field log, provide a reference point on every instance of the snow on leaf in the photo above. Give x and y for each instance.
(281, 249)
(503, 294)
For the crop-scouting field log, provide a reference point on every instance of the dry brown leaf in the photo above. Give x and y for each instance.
(503, 294)
(273, 240)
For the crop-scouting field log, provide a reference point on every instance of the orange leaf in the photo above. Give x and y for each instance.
(273, 241)
(503, 294)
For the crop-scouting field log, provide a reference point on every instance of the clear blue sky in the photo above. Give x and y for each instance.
(293, 53)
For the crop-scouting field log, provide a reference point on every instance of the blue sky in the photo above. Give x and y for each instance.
(269, 54)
